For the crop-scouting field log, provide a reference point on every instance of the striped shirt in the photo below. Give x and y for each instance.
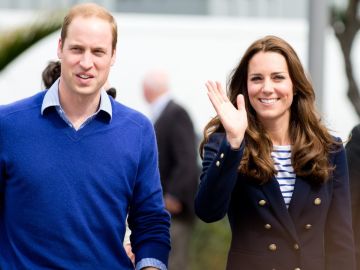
(285, 175)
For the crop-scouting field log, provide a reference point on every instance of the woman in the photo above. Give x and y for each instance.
(272, 166)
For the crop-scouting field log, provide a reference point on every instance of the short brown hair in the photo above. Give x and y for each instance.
(88, 10)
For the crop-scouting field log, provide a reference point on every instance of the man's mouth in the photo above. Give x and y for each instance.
(83, 76)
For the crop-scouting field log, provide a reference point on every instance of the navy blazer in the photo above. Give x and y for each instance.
(315, 233)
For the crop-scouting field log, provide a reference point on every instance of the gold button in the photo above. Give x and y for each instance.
(317, 201)
(262, 202)
(272, 247)
(267, 226)
(296, 246)
(217, 163)
(222, 155)
(308, 226)
(297, 268)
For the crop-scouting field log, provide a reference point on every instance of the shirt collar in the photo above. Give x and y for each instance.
(51, 99)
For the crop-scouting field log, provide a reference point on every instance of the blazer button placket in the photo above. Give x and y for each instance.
(317, 201)
(272, 247)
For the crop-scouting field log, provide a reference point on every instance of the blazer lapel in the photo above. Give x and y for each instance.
(277, 203)
(299, 197)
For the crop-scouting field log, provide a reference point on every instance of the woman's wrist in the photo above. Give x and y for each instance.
(235, 142)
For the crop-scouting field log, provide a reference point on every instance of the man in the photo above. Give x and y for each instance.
(177, 162)
(353, 157)
(74, 163)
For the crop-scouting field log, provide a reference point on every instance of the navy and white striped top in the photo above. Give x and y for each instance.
(285, 175)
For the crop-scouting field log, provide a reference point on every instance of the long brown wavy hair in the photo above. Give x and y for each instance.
(311, 141)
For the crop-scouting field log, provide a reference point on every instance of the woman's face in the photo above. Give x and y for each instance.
(270, 88)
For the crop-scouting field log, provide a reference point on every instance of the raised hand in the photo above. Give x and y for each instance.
(233, 119)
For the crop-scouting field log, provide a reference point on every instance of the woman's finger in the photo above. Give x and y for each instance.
(240, 102)
(213, 98)
(221, 92)
(213, 94)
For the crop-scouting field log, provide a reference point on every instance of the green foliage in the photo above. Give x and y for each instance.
(209, 246)
(13, 43)
(337, 14)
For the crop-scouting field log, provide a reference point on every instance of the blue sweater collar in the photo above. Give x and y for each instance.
(51, 99)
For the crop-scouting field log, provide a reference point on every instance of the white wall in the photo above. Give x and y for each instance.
(193, 50)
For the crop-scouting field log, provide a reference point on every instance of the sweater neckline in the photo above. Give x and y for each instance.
(73, 134)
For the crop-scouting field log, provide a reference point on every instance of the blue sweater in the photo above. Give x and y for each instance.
(65, 194)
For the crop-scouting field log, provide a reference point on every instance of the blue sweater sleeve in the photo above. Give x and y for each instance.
(148, 220)
(218, 178)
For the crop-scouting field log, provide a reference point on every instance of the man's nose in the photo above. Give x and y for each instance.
(86, 61)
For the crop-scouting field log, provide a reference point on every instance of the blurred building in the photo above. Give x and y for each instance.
(252, 8)
(203, 32)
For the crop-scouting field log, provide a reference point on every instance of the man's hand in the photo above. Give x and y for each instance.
(172, 204)
(128, 250)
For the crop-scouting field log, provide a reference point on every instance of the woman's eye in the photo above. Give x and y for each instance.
(279, 77)
(254, 79)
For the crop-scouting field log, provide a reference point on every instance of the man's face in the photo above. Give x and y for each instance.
(86, 56)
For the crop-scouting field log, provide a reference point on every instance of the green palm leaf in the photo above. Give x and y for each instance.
(15, 42)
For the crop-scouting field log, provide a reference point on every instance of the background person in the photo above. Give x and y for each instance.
(353, 157)
(177, 162)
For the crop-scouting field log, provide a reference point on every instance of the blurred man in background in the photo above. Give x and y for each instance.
(176, 141)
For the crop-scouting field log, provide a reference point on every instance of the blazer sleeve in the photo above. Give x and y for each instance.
(218, 178)
(339, 242)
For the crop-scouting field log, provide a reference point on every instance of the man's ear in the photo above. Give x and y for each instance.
(59, 48)
(113, 57)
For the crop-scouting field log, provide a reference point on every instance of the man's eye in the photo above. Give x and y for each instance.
(75, 49)
(99, 53)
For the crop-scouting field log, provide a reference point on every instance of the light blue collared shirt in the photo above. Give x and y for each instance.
(51, 99)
